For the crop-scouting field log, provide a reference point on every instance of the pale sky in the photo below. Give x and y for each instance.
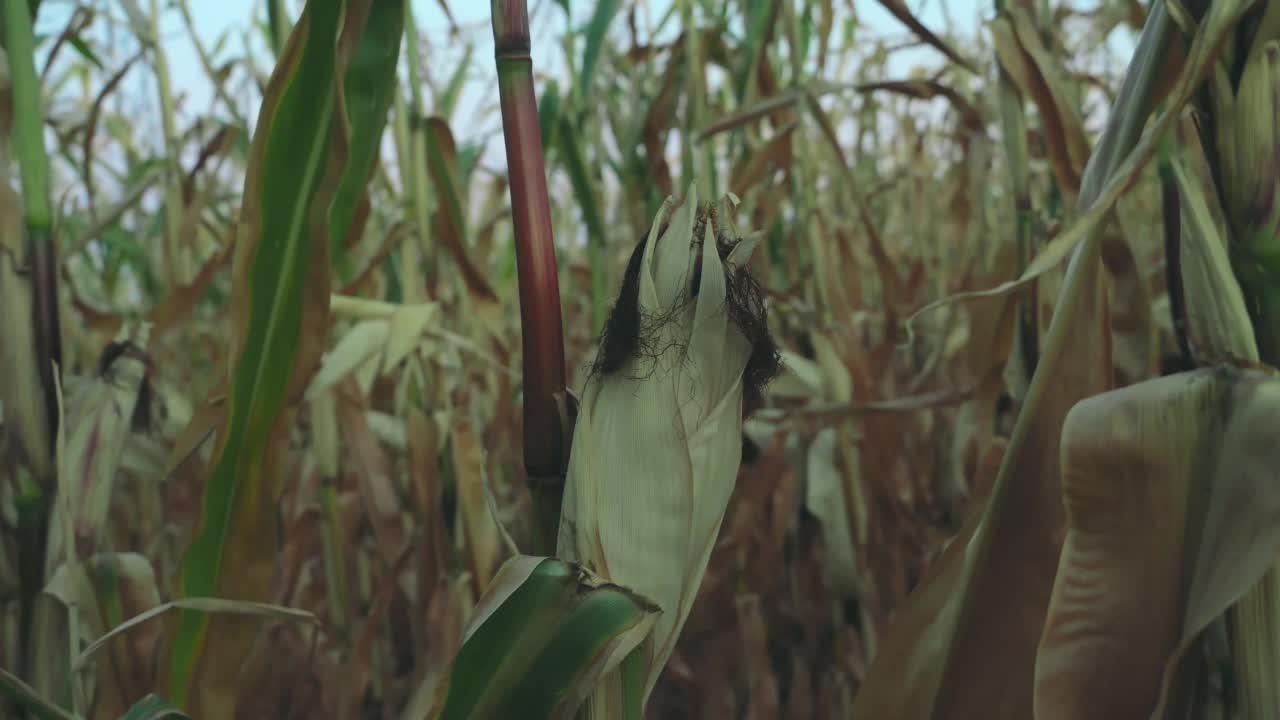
(215, 19)
(476, 119)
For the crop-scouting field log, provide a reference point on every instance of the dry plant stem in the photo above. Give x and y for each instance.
(1082, 300)
(28, 139)
(1013, 121)
(412, 282)
(1172, 209)
(417, 148)
(172, 194)
(546, 438)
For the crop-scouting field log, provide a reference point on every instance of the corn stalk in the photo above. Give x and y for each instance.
(1241, 104)
(32, 331)
(548, 411)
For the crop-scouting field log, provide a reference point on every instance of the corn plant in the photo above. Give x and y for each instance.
(798, 361)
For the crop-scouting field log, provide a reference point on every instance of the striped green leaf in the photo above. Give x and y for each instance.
(280, 315)
(541, 638)
(369, 88)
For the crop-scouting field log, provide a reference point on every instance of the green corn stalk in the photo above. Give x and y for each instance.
(175, 254)
(413, 154)
(35, 258)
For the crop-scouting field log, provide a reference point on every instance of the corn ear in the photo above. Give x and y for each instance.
(658, 438)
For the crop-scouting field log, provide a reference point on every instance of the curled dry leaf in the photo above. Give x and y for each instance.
(1023, 56)
(372, 469)
(1185, 462)
(828, 500)
(105, 590)
(99, 418)
(481, 536)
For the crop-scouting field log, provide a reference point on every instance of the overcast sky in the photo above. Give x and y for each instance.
(215, 19)
(226, 25)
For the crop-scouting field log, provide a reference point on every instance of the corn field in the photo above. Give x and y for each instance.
(688, 360)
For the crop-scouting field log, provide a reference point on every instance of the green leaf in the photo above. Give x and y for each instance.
(542, 636)
(597, 31)
(154, 707)
(85, 51)
(280, 317)
(584, 191)
(758, 23)
(26, 696)
(28, 116)
(449, 99)
(369, 88)
(277, 25)
(549, 115)
(468, 159)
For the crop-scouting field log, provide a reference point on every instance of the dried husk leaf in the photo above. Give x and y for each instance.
(480, 535)
(1173, 514)
(98, 426)
(1218, 322)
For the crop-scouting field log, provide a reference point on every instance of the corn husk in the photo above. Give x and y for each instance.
(657, 443)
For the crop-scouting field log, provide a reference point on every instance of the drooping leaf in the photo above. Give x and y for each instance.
(899, 9)
(1118, 165)
(1172, 507)
(936, 661)
(154, 707)
(13, 688)
(1023, 56)
(442, 162)
(203, 605)
(107, 589)
(540, 638)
